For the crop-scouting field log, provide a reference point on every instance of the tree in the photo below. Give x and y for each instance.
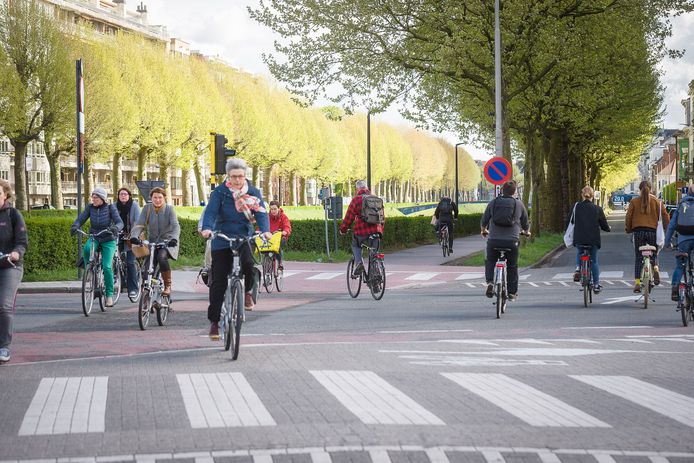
(36, 83)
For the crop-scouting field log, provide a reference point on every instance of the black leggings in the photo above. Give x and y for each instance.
(222, 260)
(161, 260)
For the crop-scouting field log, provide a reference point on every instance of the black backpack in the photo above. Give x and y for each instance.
(445, 206)
(503, 214)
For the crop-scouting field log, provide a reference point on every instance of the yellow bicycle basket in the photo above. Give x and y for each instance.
(272, 245)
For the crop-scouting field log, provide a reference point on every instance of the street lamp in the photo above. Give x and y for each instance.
(368, 149)
(456, 172)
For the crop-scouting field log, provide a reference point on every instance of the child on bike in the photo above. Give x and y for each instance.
(280, 222)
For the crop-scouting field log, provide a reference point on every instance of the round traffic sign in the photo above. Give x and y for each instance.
(498, 170)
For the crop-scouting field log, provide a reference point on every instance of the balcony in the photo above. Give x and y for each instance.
(69, 187)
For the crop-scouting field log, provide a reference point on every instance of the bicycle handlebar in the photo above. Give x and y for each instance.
(80, 231)
(234, 238)
(8, 259)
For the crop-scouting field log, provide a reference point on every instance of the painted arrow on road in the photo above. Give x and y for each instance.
(614, 300)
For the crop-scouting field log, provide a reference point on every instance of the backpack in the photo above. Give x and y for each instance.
(372, 210)
(445, 206)
(685, 217)
(503, 215)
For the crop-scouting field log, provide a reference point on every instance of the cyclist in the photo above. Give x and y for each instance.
(588, 219)
(129, 212)
(683, 222)
(233, 208)
(504, 219)
(159, 221)
(362, 230)
(14, 242)
(446, 212)
(102, 216)
(642, 220)
(280, 222)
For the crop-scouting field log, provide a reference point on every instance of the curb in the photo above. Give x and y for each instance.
(47, 289)
(549, 257)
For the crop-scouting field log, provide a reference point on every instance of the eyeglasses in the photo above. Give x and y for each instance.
(237, 176)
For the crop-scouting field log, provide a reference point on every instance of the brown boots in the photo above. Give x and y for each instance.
(166, 276)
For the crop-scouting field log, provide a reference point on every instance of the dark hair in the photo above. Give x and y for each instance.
(126, 190)
(645, 187)
(157, 190)
(274, 203)
(509, 188)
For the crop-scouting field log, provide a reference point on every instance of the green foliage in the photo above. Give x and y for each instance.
(670, 193)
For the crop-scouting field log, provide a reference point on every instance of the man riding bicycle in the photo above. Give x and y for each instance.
(446, 212)
(234, 207)
(682, 221)
(362, 228)
(504, 219)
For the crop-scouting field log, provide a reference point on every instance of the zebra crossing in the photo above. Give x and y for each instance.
(72, 405)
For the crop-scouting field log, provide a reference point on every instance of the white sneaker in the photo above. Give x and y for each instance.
(132, 294)
(4, 355)
(109, 301)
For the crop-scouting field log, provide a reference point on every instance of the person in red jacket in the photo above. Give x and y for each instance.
(362, 230)
(280, 222)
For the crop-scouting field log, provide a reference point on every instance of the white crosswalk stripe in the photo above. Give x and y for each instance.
(216, 400)
(525, 402)
(671, 404)
(372, 399)
(66, 406)
(422, 276)
(470, 276)
(325, 276)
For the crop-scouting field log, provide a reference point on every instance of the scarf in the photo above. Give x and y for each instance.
(124, 212)
(245, 203)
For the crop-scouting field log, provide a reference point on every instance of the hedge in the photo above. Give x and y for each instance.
(51, 247)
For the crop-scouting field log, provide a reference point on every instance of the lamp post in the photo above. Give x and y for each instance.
(499, 151)
(368, 149)
(456, 172)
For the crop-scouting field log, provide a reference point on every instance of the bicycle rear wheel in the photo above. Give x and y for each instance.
(279, 275)
(117, 280)
(684, 304)
(88, 285)
(377, 278)
(353, 284)
(138, 288)
(444, 241)
(236, 318)
(267, 272)
(144, 309)
(499, 299)
(646, 283)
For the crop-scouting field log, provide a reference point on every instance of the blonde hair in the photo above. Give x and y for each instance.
(587, 192)
(5, 185)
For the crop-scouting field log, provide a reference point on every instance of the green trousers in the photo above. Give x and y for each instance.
(108, 250)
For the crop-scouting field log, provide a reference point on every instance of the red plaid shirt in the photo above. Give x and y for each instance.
(353, 215)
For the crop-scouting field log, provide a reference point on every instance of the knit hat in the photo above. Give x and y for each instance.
(100, 192)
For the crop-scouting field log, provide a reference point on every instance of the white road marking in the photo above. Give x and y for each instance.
(425, 331)
(660, 400)
(547, 283)
(318, 456)
(609, 282)
(524, 277)
(216, 400)
(422, 276)
(626, 283)
(67, 406)
(533, 284)
(633, 327)
(288, 273)
(379, 456)
(470, 285)
(470, 276)
(372, 399)
(615, 300)
(469, 341)
(326, 276)
(616, 274)
(525, 402)
(563, 283)
(563, 276)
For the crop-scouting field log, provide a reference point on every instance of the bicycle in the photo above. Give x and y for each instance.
(374, 276)
(233, 316)
(271, 271)
(93, 277)
(152, 298)
(685, 301)
(586, 275)
(443, 239)
(123, 270)
(646, 274)
(500, 281)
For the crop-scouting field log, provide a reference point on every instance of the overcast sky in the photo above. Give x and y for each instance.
(223, 27)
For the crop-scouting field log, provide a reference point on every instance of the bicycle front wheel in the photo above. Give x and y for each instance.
(279, 276)
(117, 280)
(444, 241)
(377, 277)
(267, 272)
(164, 309)
(236, 318)
(138, 288)
(88, 286)
(353, 284)
(499, 299)
(684, 304)
(144, 309)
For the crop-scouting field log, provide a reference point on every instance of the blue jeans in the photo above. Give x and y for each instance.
(594, 265)
(684, 246)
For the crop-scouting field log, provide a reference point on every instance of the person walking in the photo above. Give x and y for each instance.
(129, 211)
(14, 243)
(446, 213)
(642, 220)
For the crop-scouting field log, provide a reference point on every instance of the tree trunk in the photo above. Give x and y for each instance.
(116, 174)
(185, 186)
(564, 169)
(254, 175)
(141, 166)
(292, 189)
(165, 176)
(538, 179)
(20, 175)
(553, 217)
(575, 175)
(527, 174)
(199, 180)
(56, 182)
(88, 179)
(302, 191)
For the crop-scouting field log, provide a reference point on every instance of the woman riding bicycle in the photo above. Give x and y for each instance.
(102, 216)
(588, 219)
(642, 220)
(129, 212)
(233, 209)
(279, 222)
(162, 226)
(13, 244)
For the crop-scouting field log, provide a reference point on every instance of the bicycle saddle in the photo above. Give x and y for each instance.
(647, 247)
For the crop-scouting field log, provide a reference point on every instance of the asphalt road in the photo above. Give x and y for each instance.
(426, 374)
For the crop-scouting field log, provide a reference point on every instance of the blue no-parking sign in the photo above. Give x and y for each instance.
(498, 170)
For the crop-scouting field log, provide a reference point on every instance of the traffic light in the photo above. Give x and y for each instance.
(220, 153)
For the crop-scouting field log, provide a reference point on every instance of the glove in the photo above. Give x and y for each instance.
(135, 241)
(114, 231)
(173, 243)
(73, 230)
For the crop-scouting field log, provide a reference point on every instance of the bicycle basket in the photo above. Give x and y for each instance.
(272, 245)
(140, 251)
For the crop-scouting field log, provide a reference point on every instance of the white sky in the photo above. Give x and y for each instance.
(223, 27)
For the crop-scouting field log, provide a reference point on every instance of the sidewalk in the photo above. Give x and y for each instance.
(422, 258)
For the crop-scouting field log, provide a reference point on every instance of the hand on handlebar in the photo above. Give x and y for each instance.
(266, 236)
(14, 256)
(484, 232)
(206, 233)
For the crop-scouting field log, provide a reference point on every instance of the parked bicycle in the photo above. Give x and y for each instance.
(153, 298)
(586, 275)
(93, 277)
(269, 251)
(647, 274)
(443, 239)
(374, 275)
(685, 302)
(233, 315)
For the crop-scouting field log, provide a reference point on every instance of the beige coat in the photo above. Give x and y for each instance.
(161, 226)
(636, 219)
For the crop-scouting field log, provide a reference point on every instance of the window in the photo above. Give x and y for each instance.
(5, 175)
(4, 146)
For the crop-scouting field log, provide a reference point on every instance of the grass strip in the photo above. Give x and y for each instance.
(531, 251)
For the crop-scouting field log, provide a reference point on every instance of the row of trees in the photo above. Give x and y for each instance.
(146, 105)
(580, 91)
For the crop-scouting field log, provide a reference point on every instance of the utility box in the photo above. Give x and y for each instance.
(333, 204)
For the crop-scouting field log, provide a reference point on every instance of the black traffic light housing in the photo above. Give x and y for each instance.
(221, 153)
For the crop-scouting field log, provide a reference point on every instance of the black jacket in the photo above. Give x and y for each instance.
(589, 219)
(446, 216)
(13, 231)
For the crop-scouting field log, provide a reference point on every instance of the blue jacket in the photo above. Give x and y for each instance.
(100, 218)
(673, 225)
(221, 215)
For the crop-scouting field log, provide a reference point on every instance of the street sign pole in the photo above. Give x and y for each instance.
(79, 91)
